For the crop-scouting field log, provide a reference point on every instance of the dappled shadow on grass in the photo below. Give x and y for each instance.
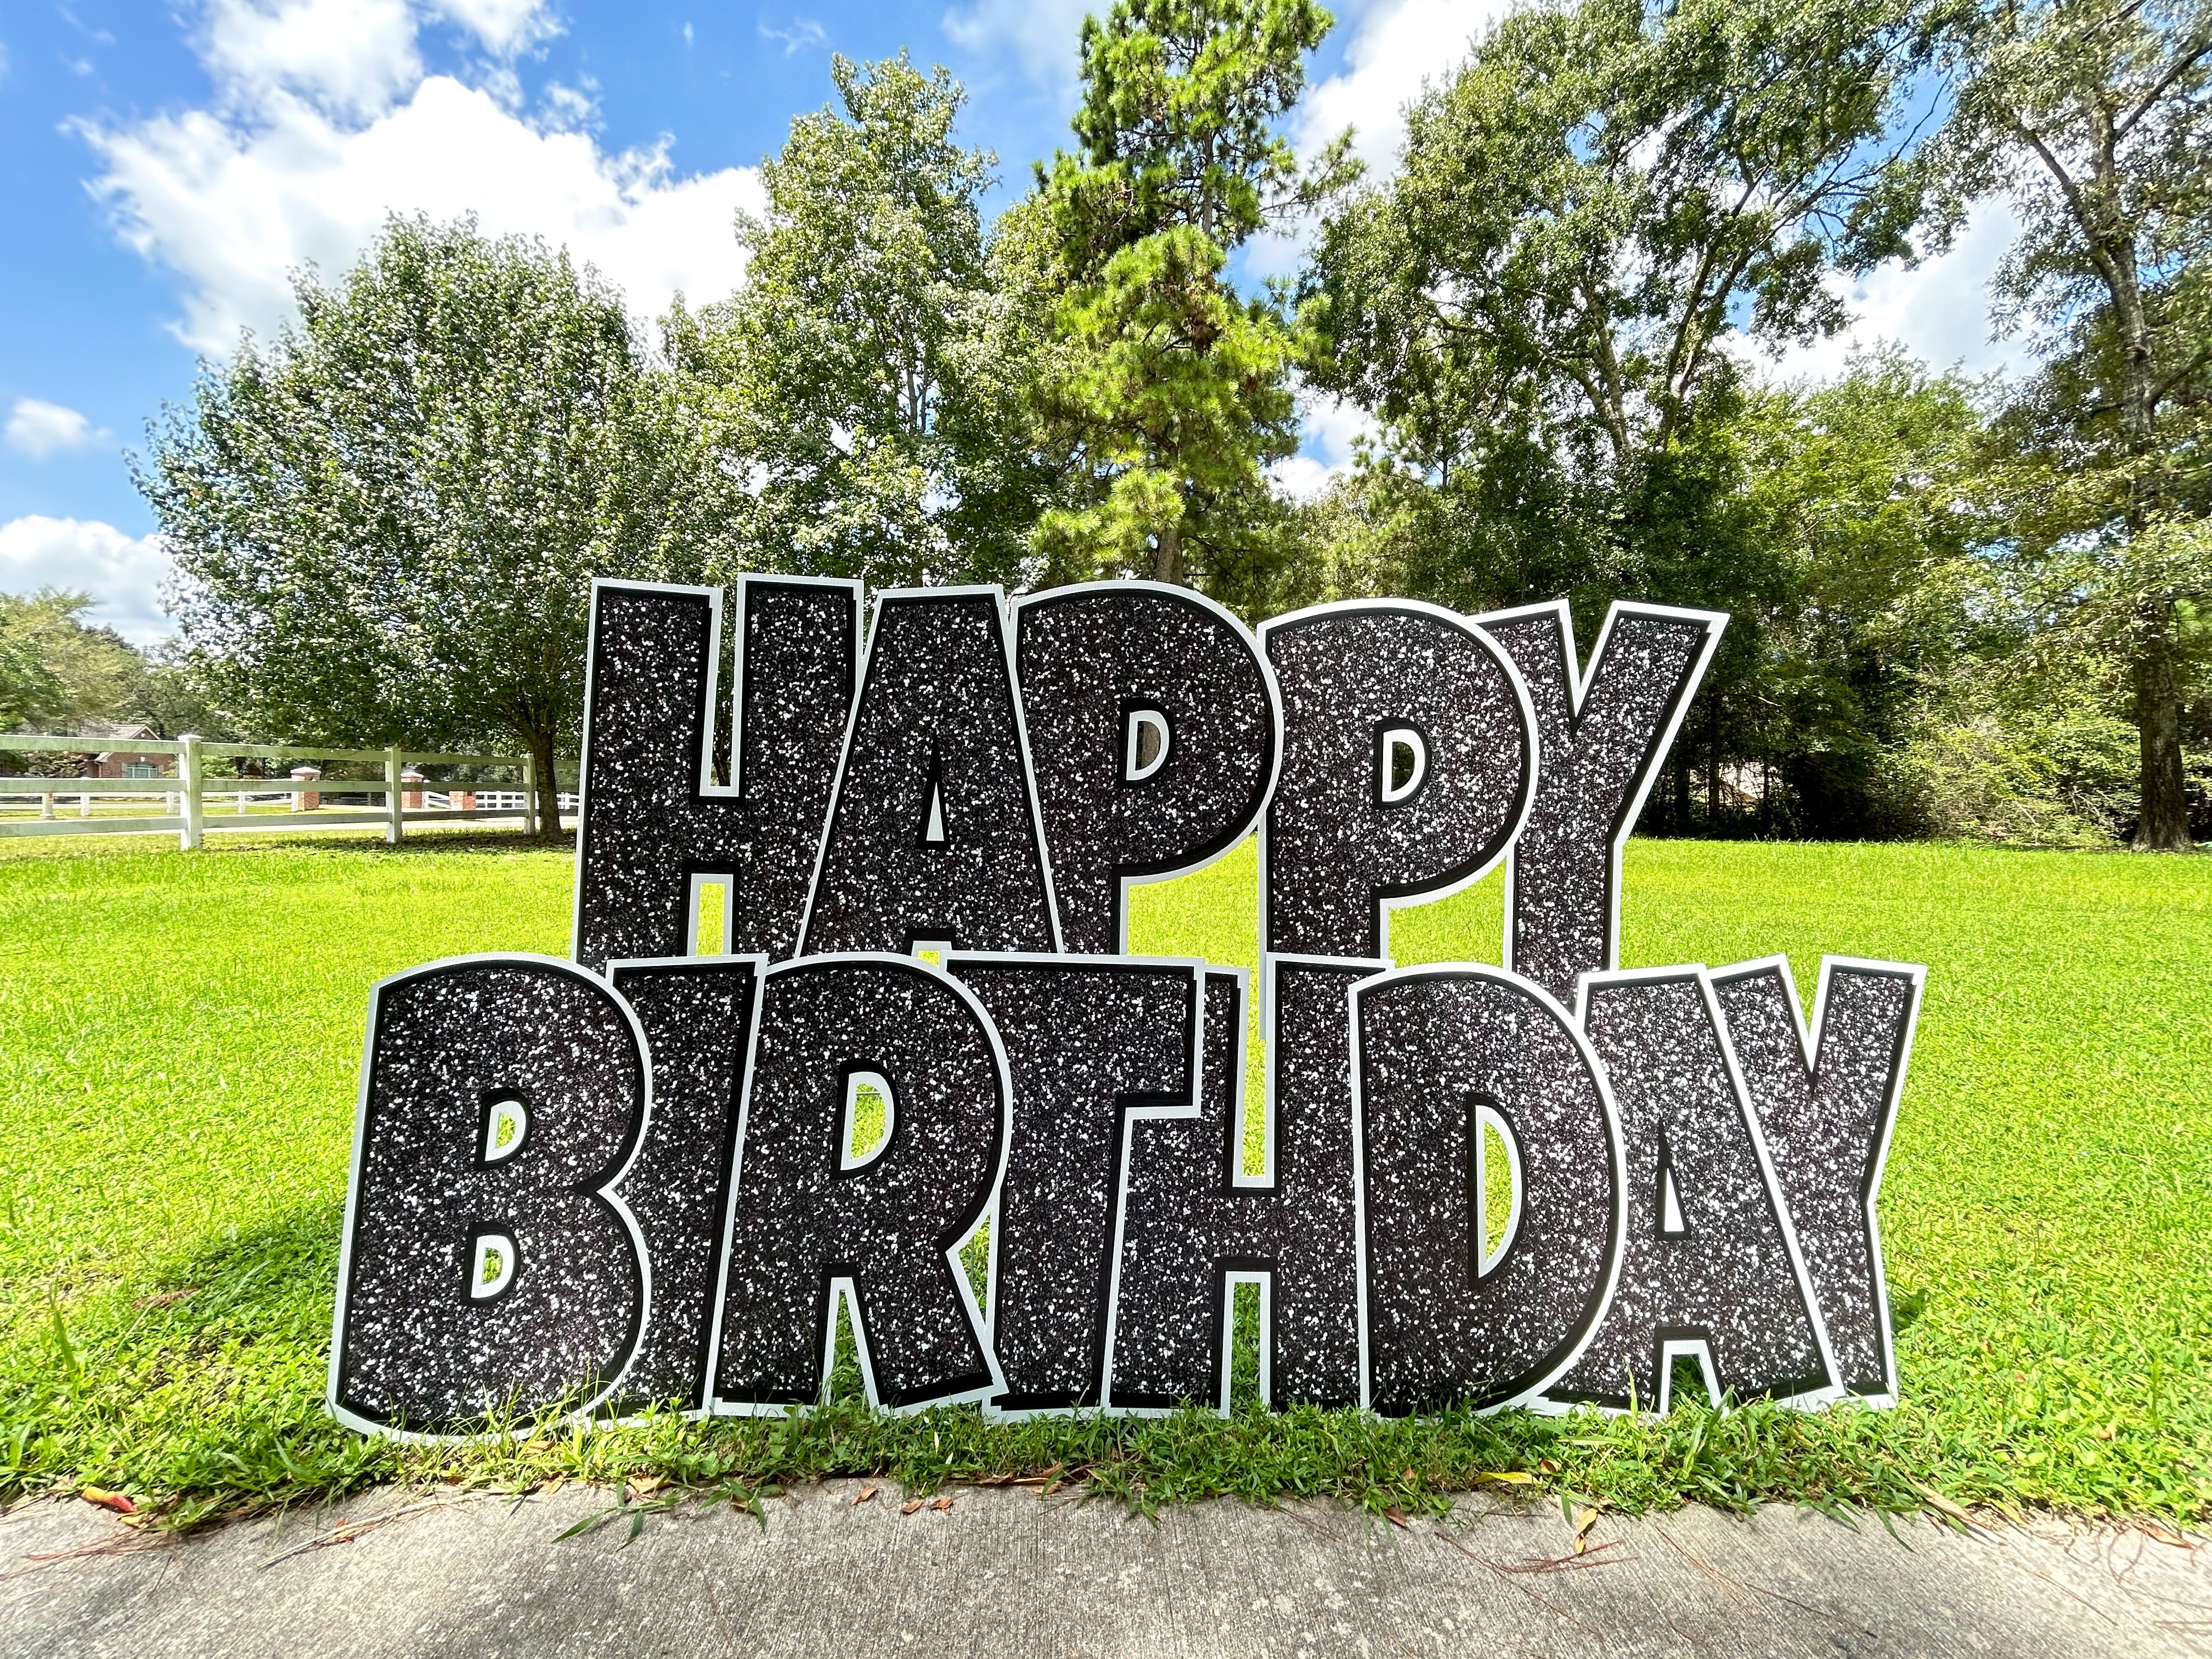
(340, 842)
(201, 1395)
(367, 842)
(204, 1386)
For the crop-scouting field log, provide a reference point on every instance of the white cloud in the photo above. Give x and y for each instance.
(351, 58)
(803, 32)
(1329, 429)
(39, 428)
(123, 573)
(1040, 36)
(505, 26)
(1401, 48)
(320, 131)
(1402, 45)
(1940, 313)
(1301, 477)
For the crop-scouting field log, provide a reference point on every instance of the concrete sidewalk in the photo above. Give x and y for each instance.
(1006, 1574)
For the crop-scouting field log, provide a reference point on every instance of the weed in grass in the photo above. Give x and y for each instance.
(179, 1039)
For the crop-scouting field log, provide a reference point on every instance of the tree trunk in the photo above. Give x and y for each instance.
(2164, 826)
(539, 741)
(1713, 760)
(1167, 557)
(2111, 241)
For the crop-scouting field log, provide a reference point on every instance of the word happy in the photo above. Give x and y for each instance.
(630, 1181)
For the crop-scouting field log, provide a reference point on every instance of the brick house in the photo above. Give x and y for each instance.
(123, 762)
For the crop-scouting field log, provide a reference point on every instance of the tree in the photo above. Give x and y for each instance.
(1590, 216)
(388, 519)
(2093, 116)
(868, 380)
(1549, 306)
(1871, 490)
(1171, 393)
(57, 668)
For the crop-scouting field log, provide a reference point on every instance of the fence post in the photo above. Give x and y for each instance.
(188, 775)
(394, 802)
(529, 795)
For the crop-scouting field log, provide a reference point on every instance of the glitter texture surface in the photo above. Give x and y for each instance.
(1726, 1277)
(649, 821)
(1827, 1131)
(1436, 1045)
(1333, 850)
(1186, 1221)
(449, 1040)
(797, 661)
(1598, 757)
(798, 1220)
(1085, 1042)
(1087, 658)
(933, 836)
(697, 1017)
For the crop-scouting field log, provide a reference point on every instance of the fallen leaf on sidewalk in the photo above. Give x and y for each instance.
(647, 1487)
(1584, 1523)
(1507, 1478)
(866, 1494)
(910, 1506)
(942, 1503)
(1397, 1516)
(109, 1500)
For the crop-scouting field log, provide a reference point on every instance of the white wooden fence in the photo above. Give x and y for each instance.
(187, 798)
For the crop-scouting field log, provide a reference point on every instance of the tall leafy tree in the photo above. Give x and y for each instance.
(1869, 489)
(57, 668)
(1170, 392)
(868, 380)
(2094, 117)
(1596, 220)
(1591, 217)
(387, 518)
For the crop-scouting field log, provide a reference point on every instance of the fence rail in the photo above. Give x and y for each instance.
(187, 796)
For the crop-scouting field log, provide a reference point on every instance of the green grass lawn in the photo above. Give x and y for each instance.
(180, 1045)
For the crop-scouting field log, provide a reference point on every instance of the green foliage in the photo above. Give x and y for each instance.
(1169, 392)
(389, 517)
(1592, 208)
(1869, 492)
(2092, 116)
(1548, 307)
(181, 1118)
(869, 381)
(56, 669)
(2061, 777)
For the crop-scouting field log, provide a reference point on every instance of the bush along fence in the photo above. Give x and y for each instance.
(194, 801)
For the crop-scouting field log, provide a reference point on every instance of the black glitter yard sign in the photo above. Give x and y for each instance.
(650, 1178)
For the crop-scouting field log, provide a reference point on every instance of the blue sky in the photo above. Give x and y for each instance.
(163, 168)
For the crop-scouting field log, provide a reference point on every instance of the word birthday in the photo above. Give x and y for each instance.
(633, 1180)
